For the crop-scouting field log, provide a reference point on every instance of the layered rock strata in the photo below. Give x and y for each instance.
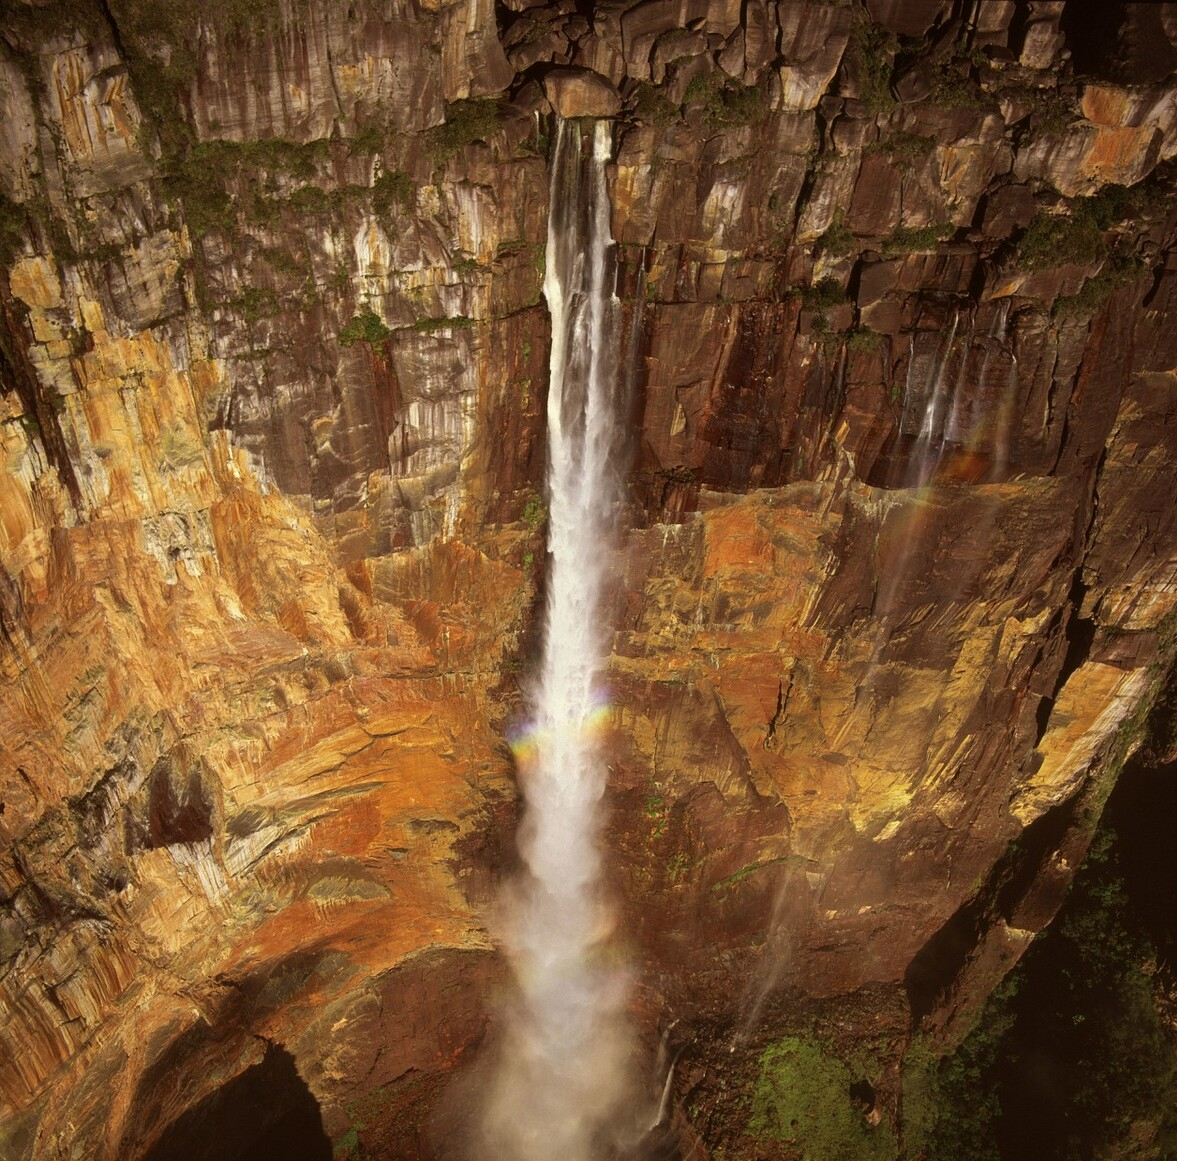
(895, 603)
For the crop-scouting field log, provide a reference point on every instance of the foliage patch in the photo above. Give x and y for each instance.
(803, 1099)
(465, 122)
(365, 327)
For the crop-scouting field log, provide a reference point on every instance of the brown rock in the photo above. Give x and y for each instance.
(908, 17)
(580, 93)
(813, 39)
(875, 203)
(1008, 209)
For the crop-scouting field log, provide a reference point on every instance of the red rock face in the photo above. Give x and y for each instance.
(895, 590)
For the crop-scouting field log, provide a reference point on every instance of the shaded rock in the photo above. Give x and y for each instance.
(1042, 40)
(874, 207)
(908, 17)
(1008, 209)
(992, 22)
(914, 83)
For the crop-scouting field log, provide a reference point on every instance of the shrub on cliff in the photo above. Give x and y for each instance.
(1068, 1058)
(366, 327)
(803, 1099)
(725, 102)
(465, 122)
(1057, 239)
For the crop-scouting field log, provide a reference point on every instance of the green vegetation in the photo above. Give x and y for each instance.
(390, 189)
(465, 122)
(13, 228)
(802, 1097)
(871, 55)
(748, 871)
(862, 340)
(725, 102)
(823, 294)
(199, 177)
(677, 866)
(657, 811)
(1049, 110)
(1052, 240)
(458, 322)
(1096, 291)
(838, 240)
(652, 106)
(309, 199)
(535, 512)
(951, 1107)
(159, 39)
(1070, 1052)
(914, 239)
(906, 150)
(367, 141)
(255, 304)
(952, 82)
(365, 327)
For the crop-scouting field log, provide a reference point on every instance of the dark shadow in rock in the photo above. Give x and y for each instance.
(267, 1111)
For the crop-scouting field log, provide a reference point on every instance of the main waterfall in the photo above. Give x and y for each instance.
(561, 1080)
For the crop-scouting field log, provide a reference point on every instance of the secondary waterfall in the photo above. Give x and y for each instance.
(561, 1080)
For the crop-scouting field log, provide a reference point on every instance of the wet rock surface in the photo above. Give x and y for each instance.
(896, 590)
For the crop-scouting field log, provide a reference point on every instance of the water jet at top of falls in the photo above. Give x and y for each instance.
(561, 1081)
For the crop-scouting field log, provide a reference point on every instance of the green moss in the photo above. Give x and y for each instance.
(905, 150)
(838, 240)
(750, 870)
(950, 1105)
(159, 39)
(725, 102)
(652, 107)
(465, 122)
(255, 304)
(200, 189)
(535, 512)
(823, 294)
(1098, 289)
(393, 189)
(200, 177)
(802, 1098)
(346, 1146)
(953, 85)
(914, 239)
(1080, 1010)
(13, 229)
(871, 53)
(1048, 110)
(458, 322)
(365, 327)
(367, 141)
(863, 340)
(309, 199)
(1052, 240)
(468, 264)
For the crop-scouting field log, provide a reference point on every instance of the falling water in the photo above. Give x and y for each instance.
(930, 441)
(561, 1081)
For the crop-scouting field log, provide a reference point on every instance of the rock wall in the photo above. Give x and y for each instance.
(896, 592)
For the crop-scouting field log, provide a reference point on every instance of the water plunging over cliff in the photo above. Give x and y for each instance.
(560, 1082)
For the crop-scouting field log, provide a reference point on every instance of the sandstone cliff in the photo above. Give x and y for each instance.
(892, 608)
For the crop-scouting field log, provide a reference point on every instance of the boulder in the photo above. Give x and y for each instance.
(579, 93)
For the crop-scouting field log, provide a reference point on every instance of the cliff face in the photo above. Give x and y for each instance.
(892, 608)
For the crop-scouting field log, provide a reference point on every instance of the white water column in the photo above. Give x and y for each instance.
(561, 1085)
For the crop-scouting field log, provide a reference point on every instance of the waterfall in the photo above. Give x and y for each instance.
(930, 441)
(560, 1084)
